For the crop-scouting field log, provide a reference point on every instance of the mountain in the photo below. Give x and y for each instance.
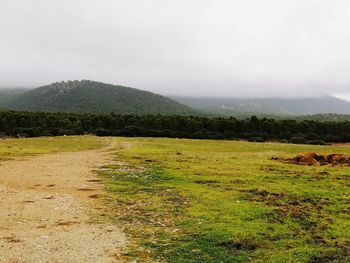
(8, 94)
(267, 106)
(96, 97)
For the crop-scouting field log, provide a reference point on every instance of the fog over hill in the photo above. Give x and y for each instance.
(271, 106)
(7, 94)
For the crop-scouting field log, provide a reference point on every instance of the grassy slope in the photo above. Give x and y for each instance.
(223, 201)
(28, 146)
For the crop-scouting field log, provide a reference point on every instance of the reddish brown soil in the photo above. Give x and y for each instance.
(318, 159)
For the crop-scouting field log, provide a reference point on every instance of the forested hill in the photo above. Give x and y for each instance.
(95, 97)
(272, 107)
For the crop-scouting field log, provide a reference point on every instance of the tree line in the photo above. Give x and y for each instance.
(34, 124)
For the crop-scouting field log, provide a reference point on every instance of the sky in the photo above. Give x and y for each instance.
(219, 48)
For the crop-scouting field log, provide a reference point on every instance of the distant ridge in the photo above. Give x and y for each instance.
(94, 97)
(267, 106)
(97, 97)
(8, 94)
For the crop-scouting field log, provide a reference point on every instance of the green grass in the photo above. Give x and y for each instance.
(29, 146)
(225, 201)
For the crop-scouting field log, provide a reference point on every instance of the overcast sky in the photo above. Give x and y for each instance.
(182, 47)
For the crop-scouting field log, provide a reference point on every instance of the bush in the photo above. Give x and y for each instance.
(101, 132)
(256, 139)
(298, 140)
(316, 142)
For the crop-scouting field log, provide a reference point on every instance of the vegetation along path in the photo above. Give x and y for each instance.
(50, 210)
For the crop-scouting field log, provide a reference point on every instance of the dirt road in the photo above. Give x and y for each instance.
(48, 210)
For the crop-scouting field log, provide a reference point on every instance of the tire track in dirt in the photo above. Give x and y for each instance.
(47, 208)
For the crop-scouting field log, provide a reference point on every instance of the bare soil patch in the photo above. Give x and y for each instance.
(46, 216)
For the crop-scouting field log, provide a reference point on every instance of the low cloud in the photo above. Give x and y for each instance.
(196, 48)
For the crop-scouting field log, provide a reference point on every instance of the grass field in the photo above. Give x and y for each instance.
(218, 201)
(29, 146)
(225, 201)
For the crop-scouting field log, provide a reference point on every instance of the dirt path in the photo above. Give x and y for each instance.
(48, 204)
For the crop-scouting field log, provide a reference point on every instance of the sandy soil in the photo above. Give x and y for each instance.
(48, 210)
